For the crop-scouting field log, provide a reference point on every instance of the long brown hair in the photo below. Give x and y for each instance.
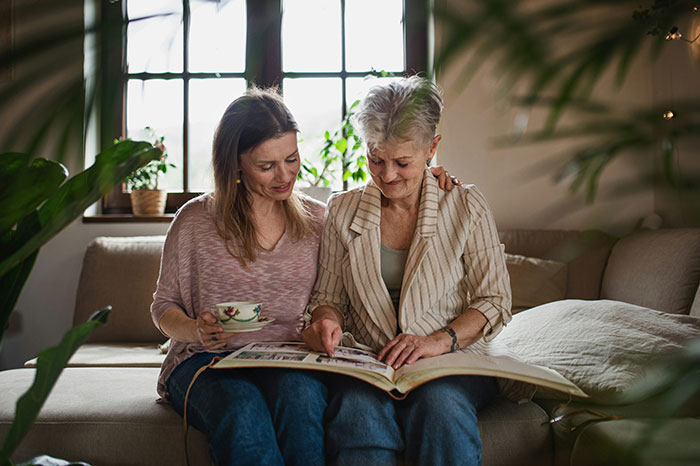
(248, 121)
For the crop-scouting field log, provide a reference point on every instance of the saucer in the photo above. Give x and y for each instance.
(239, 327)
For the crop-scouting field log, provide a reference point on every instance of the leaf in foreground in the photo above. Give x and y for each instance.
(50, 363)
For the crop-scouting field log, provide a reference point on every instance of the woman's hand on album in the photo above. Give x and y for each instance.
(323, 335)
(407, 349)
(210, 333)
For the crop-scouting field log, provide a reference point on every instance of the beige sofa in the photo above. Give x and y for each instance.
(103, 409)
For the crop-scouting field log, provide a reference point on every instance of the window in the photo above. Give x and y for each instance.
(183, 61)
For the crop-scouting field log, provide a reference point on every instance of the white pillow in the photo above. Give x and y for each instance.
(601, 346)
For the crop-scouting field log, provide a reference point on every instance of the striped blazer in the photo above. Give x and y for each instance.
(455, 262)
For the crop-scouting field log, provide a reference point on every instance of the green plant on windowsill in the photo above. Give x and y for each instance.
(146, 197)
(342, 145)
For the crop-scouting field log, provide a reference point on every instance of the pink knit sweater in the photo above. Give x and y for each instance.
(197, 272)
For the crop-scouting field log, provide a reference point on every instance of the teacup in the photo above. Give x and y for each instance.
(237, 312)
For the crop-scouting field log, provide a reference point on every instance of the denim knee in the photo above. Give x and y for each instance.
(302, 391)
(230, 409)
(360, 416)
(297, 401)
(440, 423)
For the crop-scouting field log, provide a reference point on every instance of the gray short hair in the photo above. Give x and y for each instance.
(405, 110)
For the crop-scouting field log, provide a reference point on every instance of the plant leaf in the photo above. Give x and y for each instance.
(75, 195)
(11, 285)
(25, 185)
(50, 363)
(341, 145)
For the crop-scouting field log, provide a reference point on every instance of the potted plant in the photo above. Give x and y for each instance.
(342, 145)
(146, 197)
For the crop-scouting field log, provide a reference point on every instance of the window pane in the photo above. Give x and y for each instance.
(374, 35)
(155, 44)
(217, 36)
(158, 103)
(316, 106)
(311, 35)
(208, 100)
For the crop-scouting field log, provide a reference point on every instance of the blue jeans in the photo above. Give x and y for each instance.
(435, 425)
(253, 416)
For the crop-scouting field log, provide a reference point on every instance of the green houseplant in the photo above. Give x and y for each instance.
(340, 146)
(38, 201)
(146, 197)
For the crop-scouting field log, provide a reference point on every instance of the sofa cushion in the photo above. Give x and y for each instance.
(121, 272)
(601, 346)
(103, 416)
(535, 281)
(584, 252)
(655, 269)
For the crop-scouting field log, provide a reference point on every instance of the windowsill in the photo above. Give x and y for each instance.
(128, 218)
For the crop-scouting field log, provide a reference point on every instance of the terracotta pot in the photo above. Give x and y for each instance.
(148, 201)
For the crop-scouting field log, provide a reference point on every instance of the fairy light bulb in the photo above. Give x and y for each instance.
(673, 34)
(668, 115)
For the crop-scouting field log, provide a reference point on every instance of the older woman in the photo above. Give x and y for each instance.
(412, 272)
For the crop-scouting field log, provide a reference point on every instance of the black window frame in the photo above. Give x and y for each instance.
(264, 22)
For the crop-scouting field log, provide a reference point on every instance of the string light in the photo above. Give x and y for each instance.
(673, 34)
(668, 115)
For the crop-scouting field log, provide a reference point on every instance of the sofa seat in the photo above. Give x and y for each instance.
(118, 408)
(119, 422)
(515, 434)
(624, 441)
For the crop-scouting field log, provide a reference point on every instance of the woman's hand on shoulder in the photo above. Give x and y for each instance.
(209, 333)
(444, 179)
(323, 335)
(407, 349)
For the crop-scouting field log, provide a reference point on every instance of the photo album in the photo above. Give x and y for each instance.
(398, 383)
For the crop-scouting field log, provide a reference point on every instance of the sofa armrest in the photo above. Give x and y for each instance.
(114, 355)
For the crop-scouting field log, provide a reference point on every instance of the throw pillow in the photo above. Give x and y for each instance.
(601, 346)
(535, 281)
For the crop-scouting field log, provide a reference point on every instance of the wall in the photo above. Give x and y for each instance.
(518, 180)
(676, 78)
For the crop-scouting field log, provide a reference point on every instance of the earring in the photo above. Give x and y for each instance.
(238, 181)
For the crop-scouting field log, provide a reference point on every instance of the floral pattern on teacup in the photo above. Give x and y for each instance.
(233, 312)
